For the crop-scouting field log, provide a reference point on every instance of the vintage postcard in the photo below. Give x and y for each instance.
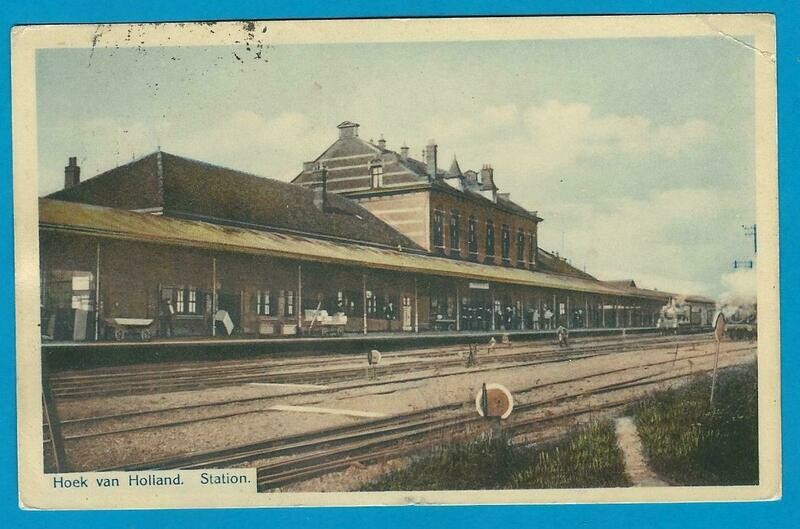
(368, 262)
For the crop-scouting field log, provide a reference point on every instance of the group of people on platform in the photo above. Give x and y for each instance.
(511, 318)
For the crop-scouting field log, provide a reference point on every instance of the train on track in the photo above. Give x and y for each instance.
(684, 317)
(742, 323)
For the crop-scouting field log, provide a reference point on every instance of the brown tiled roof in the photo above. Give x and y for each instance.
(549, 262)
(135, 185)
(193, 189)
(623, 283)
(629, 287)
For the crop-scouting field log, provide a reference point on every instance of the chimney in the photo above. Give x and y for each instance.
(404, 151)
(347, 129)
(382, 143)
(72, 173)
(320, 188)
(488, 189)
(430, 159)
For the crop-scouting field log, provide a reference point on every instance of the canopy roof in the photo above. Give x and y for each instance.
(127, 225)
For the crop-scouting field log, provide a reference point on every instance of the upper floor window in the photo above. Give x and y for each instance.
(472, 236)
(531, 248)
(490, 238)
(506, 243)
(455, 233)
(376, 172)
(520, 246)
(438, 229)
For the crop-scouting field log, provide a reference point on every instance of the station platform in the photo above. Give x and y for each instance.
(77, 355)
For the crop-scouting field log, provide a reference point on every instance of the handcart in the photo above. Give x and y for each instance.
(318, 321)
(124, 327)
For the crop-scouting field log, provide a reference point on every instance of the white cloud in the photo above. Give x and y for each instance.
(576, 128)
(246, 140)
(499, 116)
(101, 144)
(671, 240)
(274, 147)
(570, 131)
(554, 136)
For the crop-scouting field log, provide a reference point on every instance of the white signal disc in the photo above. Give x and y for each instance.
(500, 401)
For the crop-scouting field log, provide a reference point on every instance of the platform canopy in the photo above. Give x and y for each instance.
(97, 221)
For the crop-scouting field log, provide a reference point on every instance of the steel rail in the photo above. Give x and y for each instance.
(377, 428)
(300, 469)
(261, 374)
(121, 416)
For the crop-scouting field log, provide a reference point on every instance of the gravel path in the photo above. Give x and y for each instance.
(636, 467)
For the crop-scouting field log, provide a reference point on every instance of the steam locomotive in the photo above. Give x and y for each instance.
(683, 317)
(742, 323)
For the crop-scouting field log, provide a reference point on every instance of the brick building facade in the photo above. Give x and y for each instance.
(453, 213)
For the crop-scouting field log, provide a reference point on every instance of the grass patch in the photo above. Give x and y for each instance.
(688, 442)
(587, 458)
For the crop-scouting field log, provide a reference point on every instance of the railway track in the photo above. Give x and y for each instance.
(83, 421)
(386, 447)
(313, 372)
(316, 453)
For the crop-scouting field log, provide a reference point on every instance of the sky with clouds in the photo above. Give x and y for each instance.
(638, 153)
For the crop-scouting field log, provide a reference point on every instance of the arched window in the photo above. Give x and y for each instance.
(376, 174)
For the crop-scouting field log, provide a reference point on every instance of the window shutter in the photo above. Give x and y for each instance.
(254, 302)
(201, 302)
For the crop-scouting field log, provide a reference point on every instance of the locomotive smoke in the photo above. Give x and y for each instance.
(740, 294)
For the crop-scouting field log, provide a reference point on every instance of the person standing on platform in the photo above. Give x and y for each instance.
(548, 317)
(166, 325)
(388, 312)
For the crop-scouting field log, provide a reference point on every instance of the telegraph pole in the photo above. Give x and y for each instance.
(752, 231)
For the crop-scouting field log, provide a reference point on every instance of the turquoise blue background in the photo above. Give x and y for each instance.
(783, 513)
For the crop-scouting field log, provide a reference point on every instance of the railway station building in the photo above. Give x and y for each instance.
(372, 238)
